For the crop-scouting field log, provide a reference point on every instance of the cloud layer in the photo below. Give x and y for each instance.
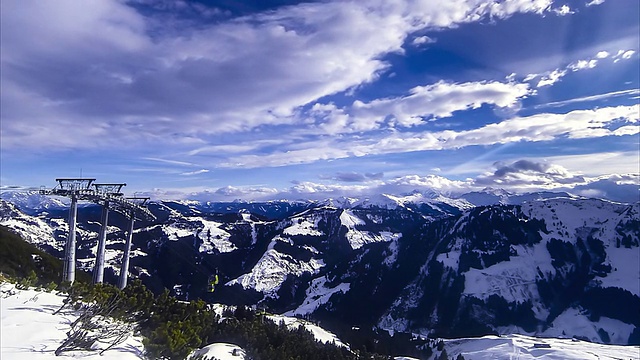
(104, 74)
(194, 92)
(521, 176)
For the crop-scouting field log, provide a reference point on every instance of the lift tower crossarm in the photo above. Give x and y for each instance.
(112, 189)
(75, 183)
(140, 201)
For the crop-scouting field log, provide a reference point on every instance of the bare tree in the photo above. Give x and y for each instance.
(95, 324)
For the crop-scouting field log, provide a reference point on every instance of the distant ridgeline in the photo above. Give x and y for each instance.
(560, 267)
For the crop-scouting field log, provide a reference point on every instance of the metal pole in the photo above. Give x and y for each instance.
(124, 269)
(69, 272)
(98, 269)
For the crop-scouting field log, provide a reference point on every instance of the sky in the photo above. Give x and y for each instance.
(255, 100)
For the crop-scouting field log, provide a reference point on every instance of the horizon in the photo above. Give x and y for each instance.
(322, 99)
(624, 195)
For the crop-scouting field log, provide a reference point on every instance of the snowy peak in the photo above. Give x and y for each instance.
(491, 196)
(32, 202)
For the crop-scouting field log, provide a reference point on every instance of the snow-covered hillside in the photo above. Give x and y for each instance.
(273, 267)
(30, 330)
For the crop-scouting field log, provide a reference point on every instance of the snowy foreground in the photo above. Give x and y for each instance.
(31, 331)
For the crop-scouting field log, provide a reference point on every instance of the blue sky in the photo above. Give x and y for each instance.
(224, 100)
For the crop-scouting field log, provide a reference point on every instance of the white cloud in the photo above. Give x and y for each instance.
(577, 124)
(524, 175)
(623, 188)
(583, 64)
(623, 55)
(408, 183)
(596, 164)
(628, 54)
(595, 2)
(551, 78)
(435, 101)
(422, 40)
(111, 71)
(196, 172)
(630, 92)
(528, 174)
(564, 10)
(169, 161)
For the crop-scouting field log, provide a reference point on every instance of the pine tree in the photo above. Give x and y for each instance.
(443, 355)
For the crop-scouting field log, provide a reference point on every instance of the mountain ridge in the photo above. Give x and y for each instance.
(527, 268)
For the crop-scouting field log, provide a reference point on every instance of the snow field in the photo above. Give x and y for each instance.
(359, 238)
(272, 269)
(319, 333)
(30, 330)
(317, 294)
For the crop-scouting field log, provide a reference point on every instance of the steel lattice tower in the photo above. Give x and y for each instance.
(109, 196)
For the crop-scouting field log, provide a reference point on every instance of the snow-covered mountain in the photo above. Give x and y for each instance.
(31, 330)
(492, 196)
(561, 267)
(540, 264)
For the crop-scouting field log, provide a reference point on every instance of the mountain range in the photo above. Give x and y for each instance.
(490, 262)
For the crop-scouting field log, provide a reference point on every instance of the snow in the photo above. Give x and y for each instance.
(522, 347)
(572, 321)
(388, 201)
(34, 230)
(254, 233)
(209, 232)
(32, 200)
(272, 269)
(30, 330)
(392, 252)
(450, 259)
(568, 219)
(214, 238)
(220, 351)
(624, 262)
(304, 226)
(358, 238)
(317, 294)
(319, 333)
(175, 233)
(514, 280)
(383, 201)
(348, 219)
